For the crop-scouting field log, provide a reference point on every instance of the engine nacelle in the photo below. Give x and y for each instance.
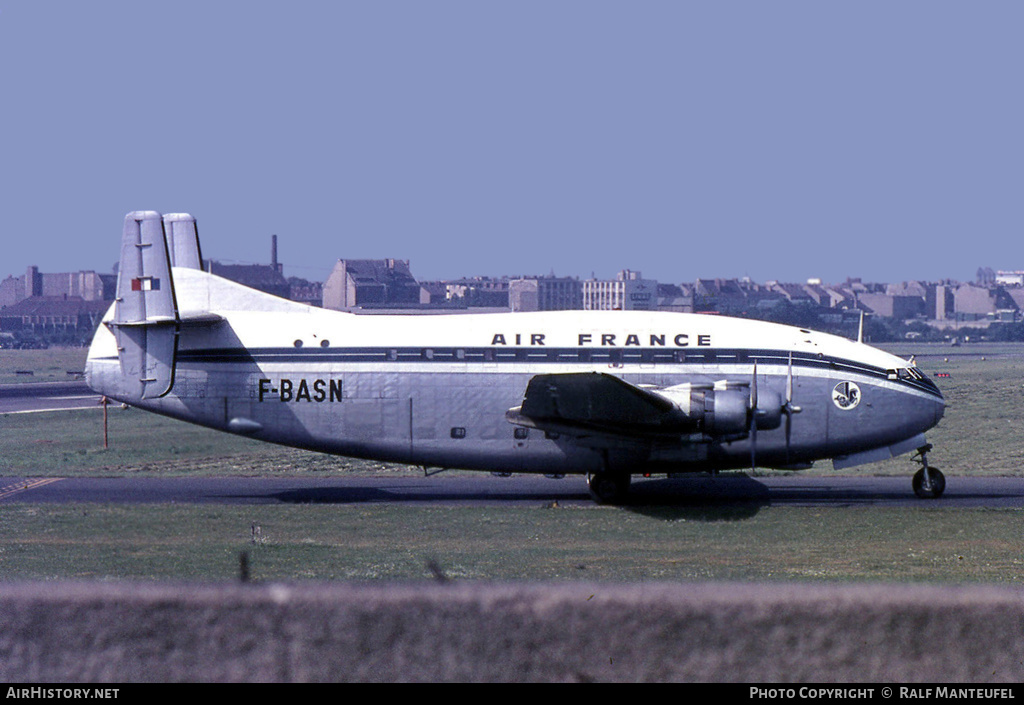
(607, 404)
(725, 411)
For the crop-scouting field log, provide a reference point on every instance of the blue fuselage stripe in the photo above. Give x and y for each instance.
(535, 355)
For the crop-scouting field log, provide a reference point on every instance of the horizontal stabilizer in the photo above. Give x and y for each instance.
(199, 319)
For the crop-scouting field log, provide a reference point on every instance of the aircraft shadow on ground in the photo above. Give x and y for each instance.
(699, 498)
(703, 498)
(371, 495)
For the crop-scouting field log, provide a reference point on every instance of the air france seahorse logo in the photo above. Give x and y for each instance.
(846, 395)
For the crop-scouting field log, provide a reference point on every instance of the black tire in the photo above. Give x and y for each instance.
(938, 484)
(609, 488)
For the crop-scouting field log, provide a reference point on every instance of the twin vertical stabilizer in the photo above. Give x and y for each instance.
(182, 240)
(146, 320)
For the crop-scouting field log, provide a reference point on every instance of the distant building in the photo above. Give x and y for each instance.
(53, 314)
(629, 291)
(545, 294)
(939, 302)
(675, 297)
(719, 296)
(1015, 278)
(305, 292)
(918, 289)
(371, 282)
(892, 306)
(86, 285)
(269, 278)
(986, 276)
(477, 292)
(827, 296)
(264, 277)
(434, 293)
(796, 294)
(974, 303)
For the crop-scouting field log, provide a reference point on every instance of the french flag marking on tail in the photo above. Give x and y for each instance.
(146, 284)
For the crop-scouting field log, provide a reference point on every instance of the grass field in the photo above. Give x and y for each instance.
(51, 365)
(979, 435)
(591, 543)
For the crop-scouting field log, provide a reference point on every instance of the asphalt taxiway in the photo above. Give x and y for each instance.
(483, 489)
(33, 397)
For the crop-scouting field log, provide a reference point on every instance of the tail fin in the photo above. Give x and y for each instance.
(183, 240)
(145, 320)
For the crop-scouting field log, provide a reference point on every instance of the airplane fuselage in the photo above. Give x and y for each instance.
(436, 390)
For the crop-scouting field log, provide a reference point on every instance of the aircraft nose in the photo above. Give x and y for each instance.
(937, 401)
(936, 404)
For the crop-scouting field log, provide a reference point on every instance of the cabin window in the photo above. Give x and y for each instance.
(325, 343)
(297, 343)
(521, 433)
(458, 432)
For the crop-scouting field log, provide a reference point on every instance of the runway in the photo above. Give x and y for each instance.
(462, 489)
(35, 397)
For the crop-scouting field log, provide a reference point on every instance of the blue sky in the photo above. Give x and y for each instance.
(775, 140)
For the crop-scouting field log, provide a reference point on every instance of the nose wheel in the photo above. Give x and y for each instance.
(928, 482)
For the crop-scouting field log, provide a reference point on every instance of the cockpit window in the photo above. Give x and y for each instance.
(906, 373)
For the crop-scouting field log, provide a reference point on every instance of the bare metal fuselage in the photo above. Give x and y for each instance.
(437, 390)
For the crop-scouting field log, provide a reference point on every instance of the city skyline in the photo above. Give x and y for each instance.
(536, 272)
(788, 141)
(65, 306)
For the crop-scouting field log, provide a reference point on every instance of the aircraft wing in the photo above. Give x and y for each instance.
(599, 404)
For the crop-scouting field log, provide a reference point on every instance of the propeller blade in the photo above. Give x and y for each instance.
(789, 380)
(753, 388)
(753, 443)
(753, 418)
(789, 408)
(789, 431)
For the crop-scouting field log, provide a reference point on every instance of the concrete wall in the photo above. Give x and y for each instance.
(476, 632)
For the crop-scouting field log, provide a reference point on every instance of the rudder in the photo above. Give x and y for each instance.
(145, 320)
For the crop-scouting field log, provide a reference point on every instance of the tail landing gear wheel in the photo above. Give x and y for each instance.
(609, 488)
(933, 487)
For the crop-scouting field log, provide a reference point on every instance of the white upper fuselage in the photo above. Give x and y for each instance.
(263, 321)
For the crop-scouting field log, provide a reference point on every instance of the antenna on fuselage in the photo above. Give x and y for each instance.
(860, 327)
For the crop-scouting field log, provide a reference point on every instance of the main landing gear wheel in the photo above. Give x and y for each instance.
(928, 482)
(609, 488)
